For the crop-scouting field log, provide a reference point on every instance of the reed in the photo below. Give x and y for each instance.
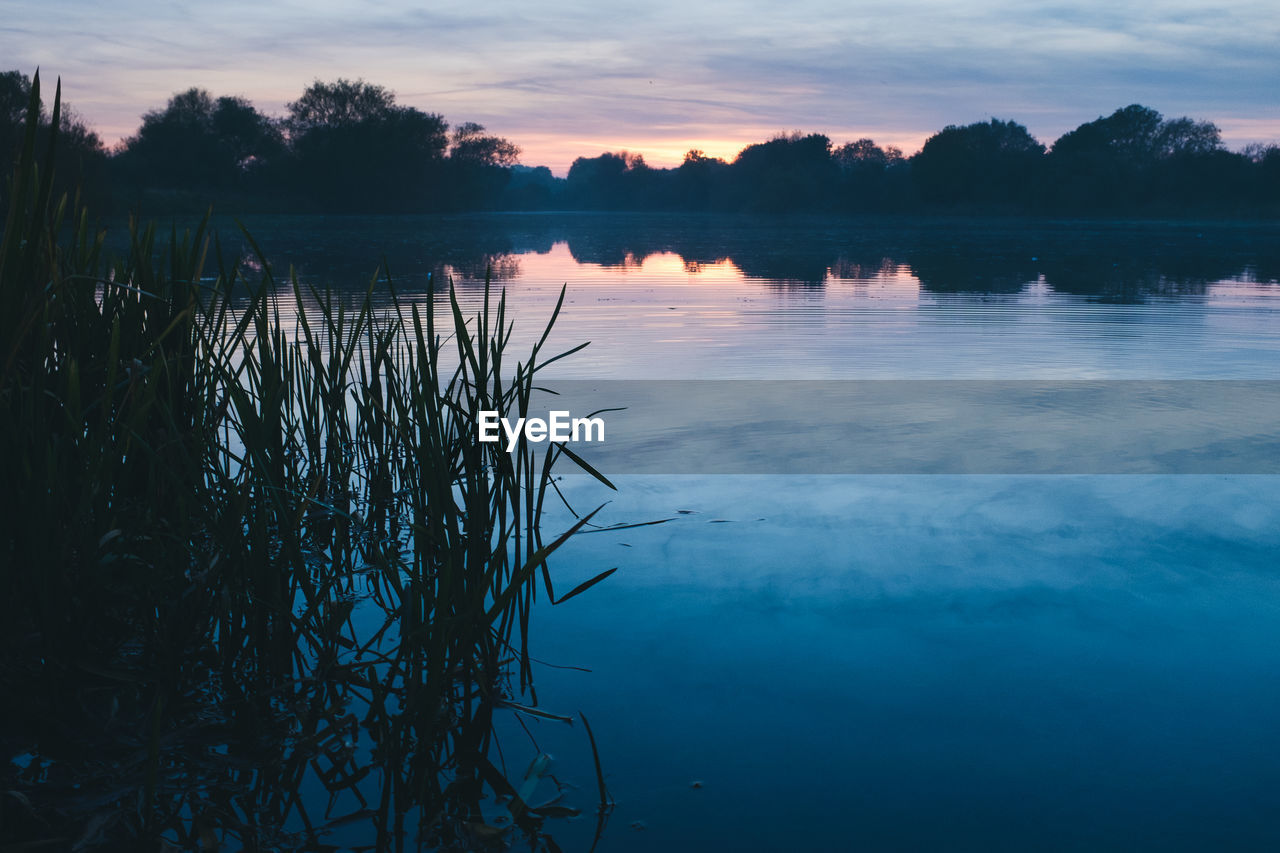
(250, 545)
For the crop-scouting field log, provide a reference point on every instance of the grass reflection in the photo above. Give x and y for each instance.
(257, 588)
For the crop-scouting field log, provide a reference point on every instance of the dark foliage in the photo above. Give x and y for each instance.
(348, 146)
(1135, 158)
(82, 162)
(201, 143)
(789, 172)
(354, 148)
(992, 162)
(611, 182)
(479, 167)
(872, 178)
(702, 182)
(198, 498)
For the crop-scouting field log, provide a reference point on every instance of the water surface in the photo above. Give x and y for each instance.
(896, 662)
(714, 298)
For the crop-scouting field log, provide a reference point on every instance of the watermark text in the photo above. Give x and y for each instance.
(558, 426)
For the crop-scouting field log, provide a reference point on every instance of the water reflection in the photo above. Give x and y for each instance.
(318, 742)
(918, 662)
(729, 298)
(945, 256)
(936, 663)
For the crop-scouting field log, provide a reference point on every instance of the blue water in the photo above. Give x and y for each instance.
(924, 662)
(900, 662)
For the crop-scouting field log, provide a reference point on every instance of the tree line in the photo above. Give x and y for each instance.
(1132, 161)
(348, 146)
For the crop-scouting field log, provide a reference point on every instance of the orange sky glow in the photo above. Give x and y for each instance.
(570, 78)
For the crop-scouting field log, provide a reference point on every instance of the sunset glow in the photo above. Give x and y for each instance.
(575, 80)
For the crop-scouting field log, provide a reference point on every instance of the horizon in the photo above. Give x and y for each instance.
(577, 82)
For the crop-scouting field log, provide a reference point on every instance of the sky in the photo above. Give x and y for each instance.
(563, 78)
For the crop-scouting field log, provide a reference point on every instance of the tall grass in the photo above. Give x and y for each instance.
(241, 560)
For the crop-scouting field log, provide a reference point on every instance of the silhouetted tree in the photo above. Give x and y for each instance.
(1131, 133)
(470, 144)
(197, 142)
(612, 181)
(1134, 157)
(342, 103)
(1266, 169)
(15, 95)
(988, 162)
(530, 188)
(789, 172)
(701, 182)
(1179, 137)
(871, 177)
(252, 139)
(479, 167)
(864, 153)
(347, 145)
(355, 148)
(81, 161)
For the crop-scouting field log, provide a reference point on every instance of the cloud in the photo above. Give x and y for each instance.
(623, 74)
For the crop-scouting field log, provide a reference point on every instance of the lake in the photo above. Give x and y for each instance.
(902, 660)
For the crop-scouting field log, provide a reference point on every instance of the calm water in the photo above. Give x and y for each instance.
(895, 662)
(684, 297)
